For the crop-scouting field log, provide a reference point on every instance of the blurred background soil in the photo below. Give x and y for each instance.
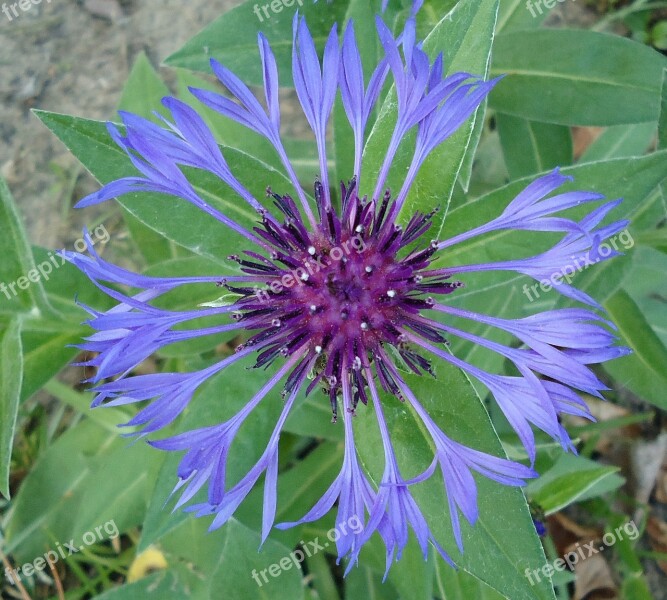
(73, 57)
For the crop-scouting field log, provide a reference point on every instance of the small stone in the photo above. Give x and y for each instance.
(104, 9)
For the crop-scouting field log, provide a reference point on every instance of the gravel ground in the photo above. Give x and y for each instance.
(74, 57)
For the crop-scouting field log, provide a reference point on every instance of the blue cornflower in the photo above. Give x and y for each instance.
(343, 313)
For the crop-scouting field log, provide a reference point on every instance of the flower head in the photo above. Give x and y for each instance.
(329, 286)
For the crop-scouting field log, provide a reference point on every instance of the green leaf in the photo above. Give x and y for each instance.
(11, 370)
(572, 479)
(363, 582)
(636, 587)
(226, 563)
(239, 560)
(620, 141)
(412, 576)
(643, 371)
(514, 15)
(459, 585)
(532, 147)
(322, 577)
(662, 137)
(45, 354)
(662, 121)
(488, 167)
(312, 418)
(590, 78)
(108, 419)
(503, 542)
(655, 239)
(100, 479)
(645, 284)
(232, 38)
(144, 90)
(165, 585)
(466, 171)
(659, 34)
(464, 36)
(21, 288)
(650, 213)
(159, 519)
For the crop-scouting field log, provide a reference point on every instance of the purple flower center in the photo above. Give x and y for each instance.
(344, 289)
